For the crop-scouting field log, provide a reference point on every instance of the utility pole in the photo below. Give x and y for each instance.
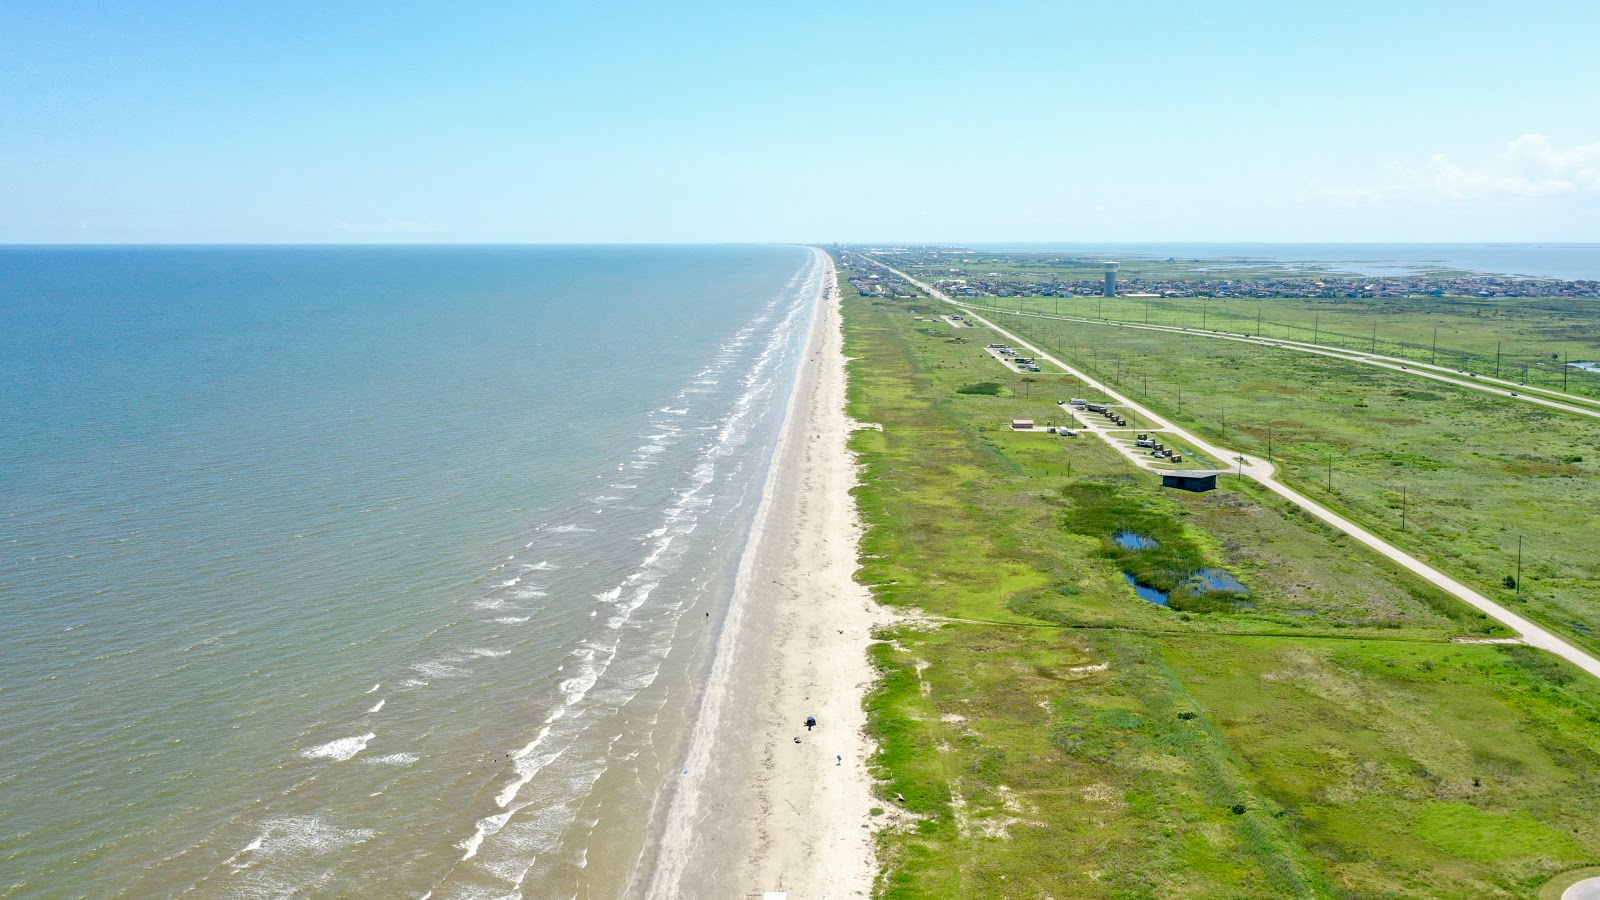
(1180, 401)
(1435, 357)
(1146, 391)
(1519, 567)
(1224, 409)
(1269, 443)
(1330, 472)
(1374, 335)
(1402, 508)
(1564, 370)
(1258, 320)
(1205, 306)
(1058, 308)
(1497, 359)
(1316, 329)
(1100, 308)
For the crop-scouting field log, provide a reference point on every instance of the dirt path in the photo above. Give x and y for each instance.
(1262, 471)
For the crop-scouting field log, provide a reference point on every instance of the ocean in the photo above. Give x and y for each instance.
(368, 571)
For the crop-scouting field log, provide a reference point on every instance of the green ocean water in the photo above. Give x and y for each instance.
(353, 572)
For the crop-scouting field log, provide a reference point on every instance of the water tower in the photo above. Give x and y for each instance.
(1111, 277)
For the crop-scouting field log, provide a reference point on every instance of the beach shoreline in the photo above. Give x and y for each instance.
(762, 804)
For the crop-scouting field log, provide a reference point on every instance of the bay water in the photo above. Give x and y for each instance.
(360, 572)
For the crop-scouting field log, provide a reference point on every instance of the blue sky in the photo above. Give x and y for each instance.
(1001, 121)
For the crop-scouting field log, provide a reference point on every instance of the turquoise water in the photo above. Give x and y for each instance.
(367, 571)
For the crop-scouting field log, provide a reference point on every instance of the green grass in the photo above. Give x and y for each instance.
(1484, 336)
(1088, 744)
(1473, 473)
(1407, 769)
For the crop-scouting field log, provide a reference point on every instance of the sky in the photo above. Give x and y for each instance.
(580, 122)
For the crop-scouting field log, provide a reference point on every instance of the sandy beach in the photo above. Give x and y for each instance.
(762, 804)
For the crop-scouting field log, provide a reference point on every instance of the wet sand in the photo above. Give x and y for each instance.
(753, 811)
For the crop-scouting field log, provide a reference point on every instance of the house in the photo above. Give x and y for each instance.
(1190, 481)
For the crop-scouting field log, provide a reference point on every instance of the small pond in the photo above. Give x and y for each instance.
(1127, 540)
(1218, 581)
(1159, 598)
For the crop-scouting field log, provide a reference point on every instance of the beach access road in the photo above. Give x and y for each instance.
(1260, 470)
(1539, 396)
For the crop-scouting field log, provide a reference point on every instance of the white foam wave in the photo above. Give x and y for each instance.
(437, 669)
(339, 750)
(379, 705)
(303, 836)
(611, 664)
(391, 759)
(485, 653)
(569, 529)
(511, 620)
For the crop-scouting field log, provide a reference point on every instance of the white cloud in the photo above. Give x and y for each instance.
(1531, 166)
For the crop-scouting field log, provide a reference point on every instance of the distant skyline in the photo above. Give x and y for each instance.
(882, 122)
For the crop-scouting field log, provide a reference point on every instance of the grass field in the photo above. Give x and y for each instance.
(1474, 474)
(1520, 339)
(1053, 735)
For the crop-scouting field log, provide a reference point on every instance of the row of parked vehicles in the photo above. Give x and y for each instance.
(1102, 409)
(1025, 363)
(1157, 449)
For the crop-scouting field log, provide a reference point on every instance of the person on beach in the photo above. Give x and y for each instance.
(811, 722)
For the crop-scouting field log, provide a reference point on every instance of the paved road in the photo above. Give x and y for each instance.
(1262, 471)
(1500, 387)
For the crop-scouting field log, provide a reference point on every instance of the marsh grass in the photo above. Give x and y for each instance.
(1052, 735)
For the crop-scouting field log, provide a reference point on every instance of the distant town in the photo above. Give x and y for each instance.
(957, 280)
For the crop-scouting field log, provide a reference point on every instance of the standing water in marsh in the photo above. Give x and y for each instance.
(368, 571)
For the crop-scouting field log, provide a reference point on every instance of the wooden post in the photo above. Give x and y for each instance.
(1519, 567)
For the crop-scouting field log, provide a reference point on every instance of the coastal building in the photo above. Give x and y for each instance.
(1111, 277)
(1190, 481)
